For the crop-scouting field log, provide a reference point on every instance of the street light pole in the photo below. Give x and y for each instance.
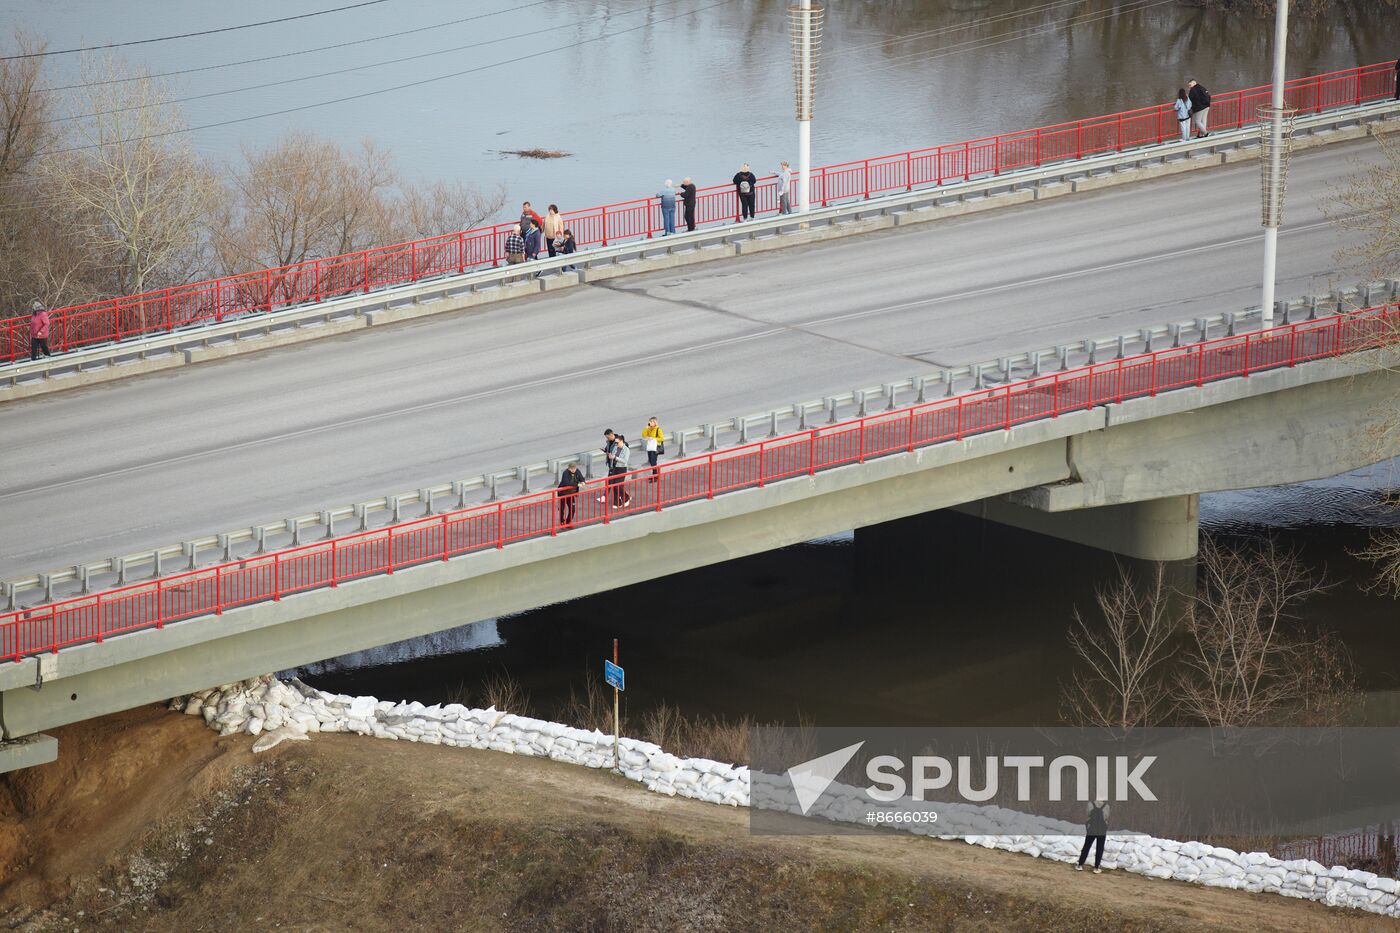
(1275, 165)
(805, 19)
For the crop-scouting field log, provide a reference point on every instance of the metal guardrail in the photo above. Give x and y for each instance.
(432, 498)
(429, 288)
(301, 567)
(265, 289)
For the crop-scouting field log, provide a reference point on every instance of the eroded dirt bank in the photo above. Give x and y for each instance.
(149, 821)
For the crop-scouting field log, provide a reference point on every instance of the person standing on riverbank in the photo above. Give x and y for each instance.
(655, 441)
(1095, 833)
(1199, 99)
(744, 183)
(553, 226)
(1182, 105)
(784, 188)
(38, 330)
(569, 482)
(688, 199)
(667, 196)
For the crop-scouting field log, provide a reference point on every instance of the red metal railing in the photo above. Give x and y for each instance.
(322, 279)
(211, 590)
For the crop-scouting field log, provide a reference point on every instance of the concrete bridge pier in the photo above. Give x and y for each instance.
(1166, 529)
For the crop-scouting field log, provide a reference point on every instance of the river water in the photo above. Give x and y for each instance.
(642, 90)
(937, 619)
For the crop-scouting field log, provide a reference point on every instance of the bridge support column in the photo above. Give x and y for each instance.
(1156, 529)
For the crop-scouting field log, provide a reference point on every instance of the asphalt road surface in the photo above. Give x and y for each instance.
(154, 459)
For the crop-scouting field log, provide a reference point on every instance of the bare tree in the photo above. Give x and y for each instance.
(305, 198)
(1245, 662)
(141, 194)
(1123, 681)
(23, 112)
(1368, 205)
(442, 208)
(301, 198)
(38, 258)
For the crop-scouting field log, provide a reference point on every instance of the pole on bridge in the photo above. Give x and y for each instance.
(805, 21)
(1274, 164)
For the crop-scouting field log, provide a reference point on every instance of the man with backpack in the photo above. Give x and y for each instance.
(1095, 832)
(1200, 104)
(744, 183)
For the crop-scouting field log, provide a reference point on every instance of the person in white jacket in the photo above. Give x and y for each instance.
(1182, 105)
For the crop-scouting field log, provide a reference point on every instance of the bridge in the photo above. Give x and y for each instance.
(1092, 452)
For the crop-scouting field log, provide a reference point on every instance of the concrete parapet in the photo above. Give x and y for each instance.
(965, 206)
(683, 257)
(1144, 172)
(814, 234)
(518, 288)
(28, 751)
(281, 337)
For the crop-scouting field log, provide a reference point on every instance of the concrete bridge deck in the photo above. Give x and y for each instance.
(1120, 474)
(158, 458)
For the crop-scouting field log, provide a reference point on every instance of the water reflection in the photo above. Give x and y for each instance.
(695, 86)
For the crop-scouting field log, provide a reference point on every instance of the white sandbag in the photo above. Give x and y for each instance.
(274, 738)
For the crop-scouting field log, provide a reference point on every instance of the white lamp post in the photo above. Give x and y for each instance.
(1274, 162)
(805, 21)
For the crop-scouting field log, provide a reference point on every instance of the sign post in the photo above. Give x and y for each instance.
(614, 675)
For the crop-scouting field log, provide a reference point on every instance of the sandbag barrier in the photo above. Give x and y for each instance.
(273, 711)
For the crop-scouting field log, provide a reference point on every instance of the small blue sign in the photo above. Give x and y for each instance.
(613, 675)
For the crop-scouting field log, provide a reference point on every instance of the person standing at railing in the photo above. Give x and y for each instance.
(1182, 105)
(654, 439)
(566, 247)
(1397, 79)
(667, 197)
(38, 330)
(1199, 99)
(609, 455)
(784, 188)
(569, 482)
(688, 199)
(553, 226)
(527, 214)
(515, 248)
(617, 468)
(744, 183)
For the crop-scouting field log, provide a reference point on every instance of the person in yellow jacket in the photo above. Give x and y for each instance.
(655, 441)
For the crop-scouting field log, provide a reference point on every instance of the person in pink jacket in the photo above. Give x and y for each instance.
(38, 330)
